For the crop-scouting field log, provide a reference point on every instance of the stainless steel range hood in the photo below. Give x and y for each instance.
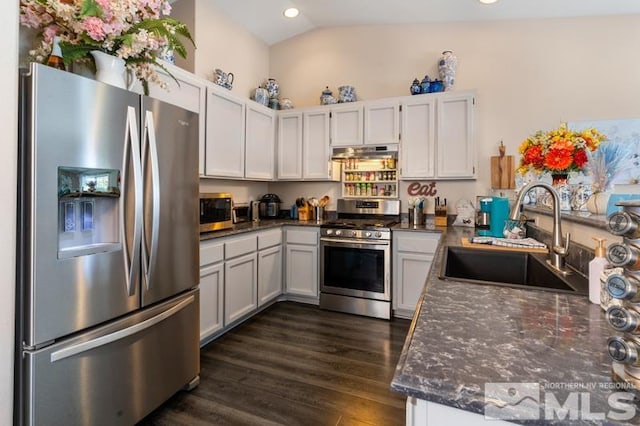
(377, 151)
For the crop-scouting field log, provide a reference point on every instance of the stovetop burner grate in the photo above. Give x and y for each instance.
(360, 224)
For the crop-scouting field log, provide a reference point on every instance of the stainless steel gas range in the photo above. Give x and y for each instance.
(355, 258)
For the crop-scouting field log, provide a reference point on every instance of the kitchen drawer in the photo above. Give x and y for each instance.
(239, 246)
(211, 252)
(269, 238)
(302, 236)
(414, 243)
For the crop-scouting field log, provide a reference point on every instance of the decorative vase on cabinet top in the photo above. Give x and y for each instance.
(425, 84)
(111, 70)
(261, 96)
(415, 88)
(346, 94)
(327, 97)
(272, 87)
(447, 68)
(436, 86)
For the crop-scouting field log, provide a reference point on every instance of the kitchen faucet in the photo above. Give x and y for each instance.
(558, 250)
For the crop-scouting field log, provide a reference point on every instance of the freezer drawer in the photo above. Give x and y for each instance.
(118, 373)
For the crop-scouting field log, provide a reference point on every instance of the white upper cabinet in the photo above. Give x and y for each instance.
(289, 145)
(417, 159)
(224, 156)
(304, 152)
(381, 122)
(259, 142)
(437, 139)
(188, 92)
(316, 151)
(347, 124)
(368, 123)
(455, 149)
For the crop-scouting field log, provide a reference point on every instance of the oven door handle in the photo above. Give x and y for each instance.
(361, 242)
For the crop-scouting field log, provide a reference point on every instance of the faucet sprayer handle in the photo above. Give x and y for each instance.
(563, 251)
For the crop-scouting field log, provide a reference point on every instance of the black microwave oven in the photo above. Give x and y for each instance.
(215, 211)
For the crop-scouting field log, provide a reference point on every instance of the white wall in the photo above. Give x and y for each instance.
(221, 43)
(8, 156)
(528, 74)
(242, 191)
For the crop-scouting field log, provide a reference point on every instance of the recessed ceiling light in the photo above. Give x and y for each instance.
(488, 1)
(291, 12)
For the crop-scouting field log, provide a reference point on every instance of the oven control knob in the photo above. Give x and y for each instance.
(338, 232)
(329, 231)
(378, 234)
(367, 234)
(354, 233)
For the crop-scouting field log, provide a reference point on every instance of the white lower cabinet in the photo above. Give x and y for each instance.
(211, 288)
(269, 266)
(412, 257)
(301, 263)
(238, 274)
(269, 274)
(241, 287)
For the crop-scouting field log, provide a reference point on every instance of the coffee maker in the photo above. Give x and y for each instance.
(491, 216)
(483, 215)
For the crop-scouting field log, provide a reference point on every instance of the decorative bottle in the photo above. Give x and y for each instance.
(447, 68)
(55, 58)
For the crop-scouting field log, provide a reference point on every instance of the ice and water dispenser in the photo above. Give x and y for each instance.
(88, 211)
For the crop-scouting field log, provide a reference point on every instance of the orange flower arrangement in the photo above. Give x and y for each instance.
(558, 151)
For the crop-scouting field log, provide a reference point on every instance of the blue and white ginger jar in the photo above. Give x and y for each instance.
(447, 68)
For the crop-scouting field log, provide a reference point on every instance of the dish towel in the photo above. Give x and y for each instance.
(509, 242)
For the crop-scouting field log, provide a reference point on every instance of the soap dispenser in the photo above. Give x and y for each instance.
(596, 266)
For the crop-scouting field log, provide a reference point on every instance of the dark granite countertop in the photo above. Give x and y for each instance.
(465, 335)
(242, 228)
(262, 225)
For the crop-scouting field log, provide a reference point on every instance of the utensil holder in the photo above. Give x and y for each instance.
(416, 217)
(304, 213)
(319, 213)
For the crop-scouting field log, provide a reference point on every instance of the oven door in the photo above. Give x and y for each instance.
(359, 268)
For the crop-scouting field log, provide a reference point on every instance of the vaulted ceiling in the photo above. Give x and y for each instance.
(264, 18)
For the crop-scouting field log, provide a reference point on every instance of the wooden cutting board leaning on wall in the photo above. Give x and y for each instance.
(502, 172)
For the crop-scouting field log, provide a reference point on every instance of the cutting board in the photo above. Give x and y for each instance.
(502, 172)
(469, 244)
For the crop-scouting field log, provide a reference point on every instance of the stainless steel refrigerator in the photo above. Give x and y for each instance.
(107, 298)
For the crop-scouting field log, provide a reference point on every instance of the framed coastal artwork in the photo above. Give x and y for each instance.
(622, 146)
(621, 154)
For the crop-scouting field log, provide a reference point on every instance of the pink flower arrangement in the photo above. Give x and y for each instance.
(134, 30)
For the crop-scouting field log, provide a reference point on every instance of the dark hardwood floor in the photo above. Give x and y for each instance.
(294, 364)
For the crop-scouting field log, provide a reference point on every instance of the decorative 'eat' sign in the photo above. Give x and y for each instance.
(428, 190)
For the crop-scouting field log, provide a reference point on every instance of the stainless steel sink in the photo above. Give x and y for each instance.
(505, 268)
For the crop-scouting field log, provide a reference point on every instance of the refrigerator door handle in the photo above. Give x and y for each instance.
(120, 334)
(131, 155)
(150, 155)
